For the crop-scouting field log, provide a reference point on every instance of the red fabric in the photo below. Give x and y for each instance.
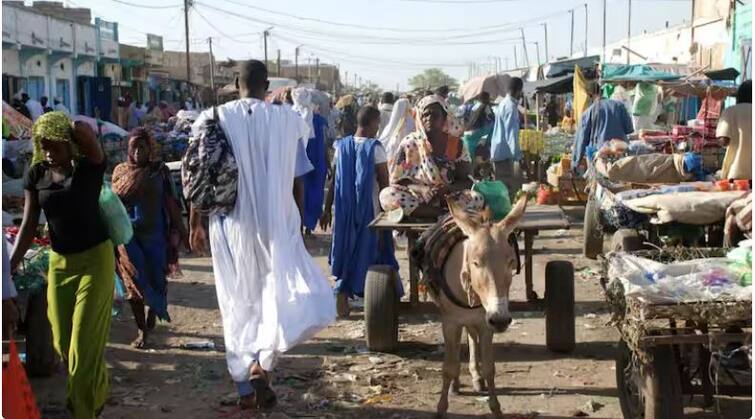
(18, 398)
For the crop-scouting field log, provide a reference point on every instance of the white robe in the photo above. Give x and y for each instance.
(271, 293)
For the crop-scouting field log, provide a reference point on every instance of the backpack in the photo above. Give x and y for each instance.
(208, 170)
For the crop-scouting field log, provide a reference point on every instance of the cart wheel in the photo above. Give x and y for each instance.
(626, 240)
(656, 395)
(593, 234)
(381, 309)
(559, 306)
(41, 359)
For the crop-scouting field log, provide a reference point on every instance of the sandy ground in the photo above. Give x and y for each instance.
(333, 375)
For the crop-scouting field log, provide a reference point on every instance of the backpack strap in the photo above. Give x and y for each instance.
(215, 113)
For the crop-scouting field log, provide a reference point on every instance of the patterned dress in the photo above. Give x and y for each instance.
(414, 161)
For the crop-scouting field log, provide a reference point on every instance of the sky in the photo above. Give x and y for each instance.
(385, 41)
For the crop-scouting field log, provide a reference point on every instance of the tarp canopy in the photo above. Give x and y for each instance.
(723, 74)
(560, 68)
(557, 85)
(495, 84)
(634, 72)
(701, 88)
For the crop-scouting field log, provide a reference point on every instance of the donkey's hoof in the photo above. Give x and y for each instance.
(478, 385)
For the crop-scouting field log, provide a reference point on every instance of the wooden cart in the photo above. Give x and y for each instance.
(381, 301)
(666, 350)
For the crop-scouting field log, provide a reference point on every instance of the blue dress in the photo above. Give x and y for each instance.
(355, 246)
(314, 181)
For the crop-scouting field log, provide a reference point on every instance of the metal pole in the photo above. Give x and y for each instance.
(516, 62)
(571, 38)
(296, 64)
(585, 29)
(524, 45)
(604, 31)
(537, 49)
(265, 34)
(187, 4)
(212, 74)
(278, 65)
(545, 27)
(629, 28)
(317, 73)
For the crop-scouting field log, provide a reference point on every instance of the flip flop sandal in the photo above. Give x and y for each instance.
(264, 396)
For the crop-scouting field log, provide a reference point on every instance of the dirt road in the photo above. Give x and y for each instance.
(334, 376)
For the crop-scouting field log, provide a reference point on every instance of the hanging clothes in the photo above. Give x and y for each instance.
(355, 246)
(271, 293)
(314, 181)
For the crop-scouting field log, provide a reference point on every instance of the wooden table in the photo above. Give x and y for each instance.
(536, 218)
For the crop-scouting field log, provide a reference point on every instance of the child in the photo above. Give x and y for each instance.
(361, 172)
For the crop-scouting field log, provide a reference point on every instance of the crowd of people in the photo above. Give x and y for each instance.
(301, 161)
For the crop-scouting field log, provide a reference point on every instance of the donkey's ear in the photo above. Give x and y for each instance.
(512, 220)
(466, 222)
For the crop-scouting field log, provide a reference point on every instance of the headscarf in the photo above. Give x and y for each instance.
(453, 127)
(399, 126)
(52, 126)
(302, 98)
(129, 176)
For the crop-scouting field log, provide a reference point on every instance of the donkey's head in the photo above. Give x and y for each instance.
(489, 260)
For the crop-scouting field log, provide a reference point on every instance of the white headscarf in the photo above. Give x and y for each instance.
(399, 126)
(302, 98)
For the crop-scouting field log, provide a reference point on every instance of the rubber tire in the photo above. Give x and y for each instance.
(381, 304)
(41, 359)
(627, 240)
(662, 387)
(592, 232)
(559, 307)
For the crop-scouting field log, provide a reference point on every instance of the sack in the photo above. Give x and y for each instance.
(116, 217)
(208, 170)
(496, 196)
(18, 398)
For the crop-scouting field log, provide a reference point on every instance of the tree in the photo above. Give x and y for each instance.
(432, 78)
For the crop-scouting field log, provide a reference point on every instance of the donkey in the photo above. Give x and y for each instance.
(478, 271)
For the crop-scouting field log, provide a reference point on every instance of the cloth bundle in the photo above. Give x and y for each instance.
(647, 168)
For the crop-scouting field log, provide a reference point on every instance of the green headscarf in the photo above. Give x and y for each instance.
(52, 126)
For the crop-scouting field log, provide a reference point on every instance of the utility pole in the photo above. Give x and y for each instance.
(585, 29)
(516, 62)
(317, 74)
(346, 78)
(571, 38)
(604, 31)
(212, 74)
(524, 45)
(545, 27)
(537, 49)
(187, 4)
(278, 66)
(629, 28)
(296, 63)
(265, 34)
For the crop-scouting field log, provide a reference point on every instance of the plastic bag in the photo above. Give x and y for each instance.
(116, 218)
(18, 397)
(496, 196)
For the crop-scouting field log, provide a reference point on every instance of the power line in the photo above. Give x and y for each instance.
(146, 6)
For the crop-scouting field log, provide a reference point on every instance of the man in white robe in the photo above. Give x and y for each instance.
(271, 293)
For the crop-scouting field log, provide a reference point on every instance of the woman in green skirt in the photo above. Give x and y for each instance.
(64, 181)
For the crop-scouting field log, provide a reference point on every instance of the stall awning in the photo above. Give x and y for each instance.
(560, 68)
(634, 72)
(556, 85)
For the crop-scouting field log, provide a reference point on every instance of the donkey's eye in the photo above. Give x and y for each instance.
(476, 262)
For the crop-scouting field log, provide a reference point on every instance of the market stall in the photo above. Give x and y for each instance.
(685, 321)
